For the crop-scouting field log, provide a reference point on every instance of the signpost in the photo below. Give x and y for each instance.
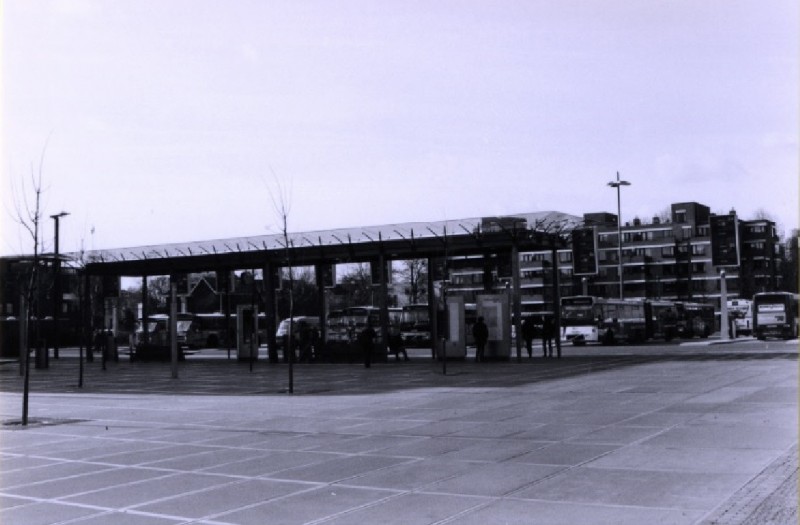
(724, 253)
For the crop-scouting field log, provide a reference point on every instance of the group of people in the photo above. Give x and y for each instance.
(548, 333)
(366, 343)
(480, 332)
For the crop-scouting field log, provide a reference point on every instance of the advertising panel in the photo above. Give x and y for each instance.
(494, 308)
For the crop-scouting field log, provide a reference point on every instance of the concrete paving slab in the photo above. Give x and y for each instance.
(10, 462)
(412, 475)
(712, 460)
(207, 460)
(643, 488)
(306, 507)
(516, 512)
(410, 509)
(152, 455)
(365, 444)
(494, 450)
(52, 471)
(506, 428)
(126, 518)
(221, 499)
(495, 479)
(558, 432)
(564, 454)
(406, 446)
(712, 436)
(155, 489)
(57, 488)
(43, 513)
(271, 462)
(6, 502)
(617, 435)
(429, 447)
(338, 469)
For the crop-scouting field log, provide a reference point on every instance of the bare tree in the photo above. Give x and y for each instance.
(415, 273)
(28, 214)
(281, 205)
(358, 284)
(665, 215)
(762, 214)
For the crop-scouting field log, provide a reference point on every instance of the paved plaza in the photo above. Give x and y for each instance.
(689, 435)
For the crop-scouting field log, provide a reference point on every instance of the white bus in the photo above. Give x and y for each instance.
(741, 310)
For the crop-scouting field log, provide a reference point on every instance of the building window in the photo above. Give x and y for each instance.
(698, 249)
(680, 215)
(565, 257)
(667, 251)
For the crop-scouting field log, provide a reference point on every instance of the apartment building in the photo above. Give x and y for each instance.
(666, 257)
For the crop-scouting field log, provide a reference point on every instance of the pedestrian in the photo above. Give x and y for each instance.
(396, 345)
(547, 337)
(304, 341)
(480, 332)
(527, 334)
(366, 340)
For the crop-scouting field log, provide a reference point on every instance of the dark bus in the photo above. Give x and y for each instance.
(775, 315)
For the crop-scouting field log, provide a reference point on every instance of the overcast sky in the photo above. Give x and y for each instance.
(169, 121)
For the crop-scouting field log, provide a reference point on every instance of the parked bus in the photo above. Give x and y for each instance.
(775, 315)
(415, 325)
(594, 319)
(661, 320)
(395, 318)
(336, 328)
(211, 330)
(355, 319)
(158, 330)
(742, 313)
(695, 319)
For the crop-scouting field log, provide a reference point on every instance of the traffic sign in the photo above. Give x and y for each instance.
(584, 251)
(724, 240)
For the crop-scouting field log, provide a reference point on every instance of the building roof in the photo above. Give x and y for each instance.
(359, 242)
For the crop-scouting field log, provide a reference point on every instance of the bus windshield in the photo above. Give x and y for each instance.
(577, 310)
(415, 315)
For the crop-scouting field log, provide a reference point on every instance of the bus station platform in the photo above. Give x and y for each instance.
(690, 435)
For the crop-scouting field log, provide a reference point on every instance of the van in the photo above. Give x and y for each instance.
(283, 328)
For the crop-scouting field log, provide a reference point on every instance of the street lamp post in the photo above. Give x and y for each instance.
(56, 284)
(616, 184)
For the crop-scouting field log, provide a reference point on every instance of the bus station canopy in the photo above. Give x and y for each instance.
(523, 231)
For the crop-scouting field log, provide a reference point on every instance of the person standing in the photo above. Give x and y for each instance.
(480, 332)
(547, 337)
(527, 334)
(366, 340)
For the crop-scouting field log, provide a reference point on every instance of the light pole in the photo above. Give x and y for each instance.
(56, 284)
(616, 184)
